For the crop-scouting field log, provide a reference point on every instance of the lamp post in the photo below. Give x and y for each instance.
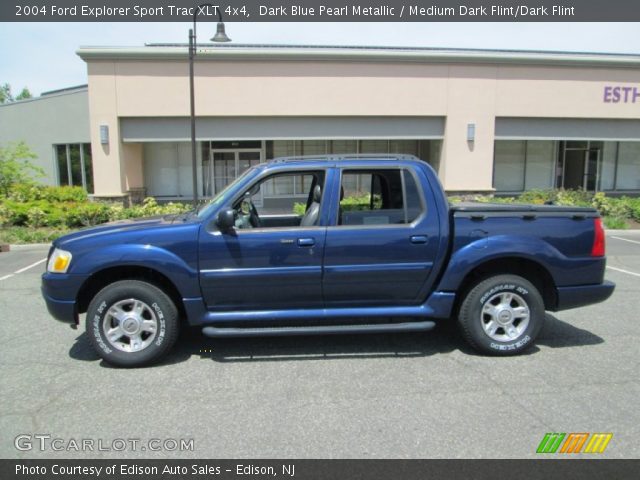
(220, 36)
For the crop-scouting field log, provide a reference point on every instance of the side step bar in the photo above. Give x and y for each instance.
(317, 330)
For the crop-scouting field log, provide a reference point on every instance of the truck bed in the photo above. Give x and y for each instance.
(524, 208)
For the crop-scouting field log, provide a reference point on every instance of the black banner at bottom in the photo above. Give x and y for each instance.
(547, 469)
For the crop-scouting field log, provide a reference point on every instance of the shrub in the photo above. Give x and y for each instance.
(65, 194)
(36, 217)
(573, 198)
(87, 214)
(538, 197)
(24, 192)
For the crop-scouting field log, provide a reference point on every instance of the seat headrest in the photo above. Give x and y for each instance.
(317, 194)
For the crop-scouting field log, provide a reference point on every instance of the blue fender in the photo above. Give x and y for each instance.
(484, 250)
(181, 274)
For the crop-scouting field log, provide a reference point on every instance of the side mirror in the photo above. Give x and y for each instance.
(226, 219)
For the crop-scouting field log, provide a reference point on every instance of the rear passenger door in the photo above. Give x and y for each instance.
(382, 241)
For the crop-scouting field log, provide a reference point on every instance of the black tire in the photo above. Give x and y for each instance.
(153, 306)
(486, 310)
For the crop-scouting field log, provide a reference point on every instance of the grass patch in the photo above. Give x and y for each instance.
(615, 223)
(23, 235)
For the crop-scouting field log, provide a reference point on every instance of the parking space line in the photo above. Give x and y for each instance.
(34, 264)
(624, 271)
(23, 269)
(625, 239)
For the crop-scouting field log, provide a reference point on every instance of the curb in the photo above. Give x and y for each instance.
(29, 246)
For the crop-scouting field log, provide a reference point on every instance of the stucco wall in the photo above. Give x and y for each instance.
(467, 93)
(45, 121)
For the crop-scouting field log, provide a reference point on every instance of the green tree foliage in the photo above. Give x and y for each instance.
(6, 96)
(16, 167)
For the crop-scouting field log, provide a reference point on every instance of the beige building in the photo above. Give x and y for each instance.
(485, 120)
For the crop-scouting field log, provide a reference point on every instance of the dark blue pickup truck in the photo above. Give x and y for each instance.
(326, 245)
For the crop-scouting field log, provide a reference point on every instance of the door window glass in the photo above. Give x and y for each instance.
(279, 206)
(378, 197)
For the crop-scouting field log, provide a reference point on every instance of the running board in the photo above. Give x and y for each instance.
(317, 329)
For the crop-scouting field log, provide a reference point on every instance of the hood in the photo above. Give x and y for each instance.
(131, 226)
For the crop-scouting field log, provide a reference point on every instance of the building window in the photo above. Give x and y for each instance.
(427, 150)
(74, 165)
(628, 174)
(544, 164)
(524, 164)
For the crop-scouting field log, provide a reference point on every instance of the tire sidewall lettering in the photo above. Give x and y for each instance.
(97, 332)
(161, 324)
(503, 287)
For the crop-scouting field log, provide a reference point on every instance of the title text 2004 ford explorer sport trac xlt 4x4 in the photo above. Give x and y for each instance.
(376, 247)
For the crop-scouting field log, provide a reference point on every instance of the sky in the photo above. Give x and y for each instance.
(41, 56)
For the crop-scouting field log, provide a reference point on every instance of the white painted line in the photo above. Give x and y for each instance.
(6, 276)
(34, 264)
(624, 271)
(625, 239)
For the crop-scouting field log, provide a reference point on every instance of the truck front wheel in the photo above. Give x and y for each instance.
(502, 315)
(131, 323)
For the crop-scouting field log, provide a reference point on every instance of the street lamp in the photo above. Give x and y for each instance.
(220, 36)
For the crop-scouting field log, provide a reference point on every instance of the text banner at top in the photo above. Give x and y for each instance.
(321, 11)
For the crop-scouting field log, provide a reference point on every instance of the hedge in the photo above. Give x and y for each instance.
(39, 206)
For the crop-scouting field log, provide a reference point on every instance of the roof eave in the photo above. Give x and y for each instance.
(400, 56)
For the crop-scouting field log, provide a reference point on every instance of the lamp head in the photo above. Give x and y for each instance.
(220, 35)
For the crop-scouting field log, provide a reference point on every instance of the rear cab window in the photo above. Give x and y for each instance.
(385, 196)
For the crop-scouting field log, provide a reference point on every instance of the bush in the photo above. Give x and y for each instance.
(538, 197)
(573, 198)
(87, 214)
(36, 217)
(615, 211)
(65, 194)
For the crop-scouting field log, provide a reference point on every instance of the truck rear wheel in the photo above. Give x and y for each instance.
(132, 323)
(502, 315)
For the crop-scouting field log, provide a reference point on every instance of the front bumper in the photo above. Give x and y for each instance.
(572, 297)
(60, 292)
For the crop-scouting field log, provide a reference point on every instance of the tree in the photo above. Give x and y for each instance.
(24, 94)
(6, 96)
(16, 166)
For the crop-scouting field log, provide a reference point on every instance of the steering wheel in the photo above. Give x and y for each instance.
(254, 219)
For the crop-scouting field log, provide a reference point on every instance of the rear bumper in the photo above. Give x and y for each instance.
(572, 297)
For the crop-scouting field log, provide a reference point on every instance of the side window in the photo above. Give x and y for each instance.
(378, 197)
(288, 199)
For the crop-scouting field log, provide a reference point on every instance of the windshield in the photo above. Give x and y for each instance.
(222, 195)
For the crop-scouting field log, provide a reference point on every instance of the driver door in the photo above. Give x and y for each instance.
(268, 267)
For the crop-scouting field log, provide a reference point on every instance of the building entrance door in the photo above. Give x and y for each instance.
(581, 167)
(230, 164)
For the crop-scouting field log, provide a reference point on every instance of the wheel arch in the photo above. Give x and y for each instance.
(526, 268)
(100, 279)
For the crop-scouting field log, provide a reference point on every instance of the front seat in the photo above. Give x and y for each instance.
(313, 212)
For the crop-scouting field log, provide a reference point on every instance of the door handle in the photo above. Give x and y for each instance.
(306, 242)
(418, 239)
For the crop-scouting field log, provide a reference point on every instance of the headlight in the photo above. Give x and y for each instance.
(59, 261)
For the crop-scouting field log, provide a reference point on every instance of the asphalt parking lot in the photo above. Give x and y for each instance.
(368, 396)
